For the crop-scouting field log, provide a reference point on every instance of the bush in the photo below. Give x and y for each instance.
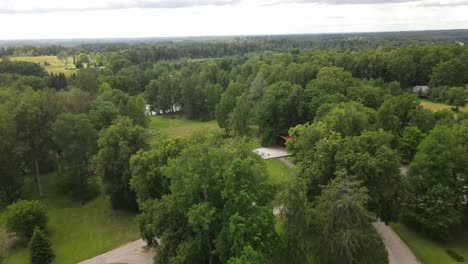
(23, 216)
(457, 257)
(41, 253)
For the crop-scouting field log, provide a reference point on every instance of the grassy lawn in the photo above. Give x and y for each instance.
(440, 106)
(54, 64)
(78, 232)
(428, 251)
(180, 126)
(278, 171)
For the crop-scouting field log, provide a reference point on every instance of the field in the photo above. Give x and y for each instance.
(428, 251)
(78, 232)
(278, 171)
(440, 106)
(180, 127)
(54, 66)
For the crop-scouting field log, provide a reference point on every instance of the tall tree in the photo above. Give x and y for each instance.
(437, 184)
(227, 104)
(75, 141)
(34, 117)
(240, 115)
(116, 146)
(347, 236)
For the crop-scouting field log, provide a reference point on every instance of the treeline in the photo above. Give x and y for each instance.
(156, 49)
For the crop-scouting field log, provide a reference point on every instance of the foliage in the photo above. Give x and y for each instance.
(116, 145)
(298, 224)
(347, 236)
(217, 205)
(41, 252)
(436, 180)
(75, 142)
(23, 216)
(409, 143)
(280, 108)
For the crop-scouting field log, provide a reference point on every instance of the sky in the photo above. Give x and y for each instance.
(63, 19)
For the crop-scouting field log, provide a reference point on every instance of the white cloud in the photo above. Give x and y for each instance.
(29, 19)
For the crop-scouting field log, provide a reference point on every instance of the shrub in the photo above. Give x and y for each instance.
(457, 257)
(23, 216)
(41, 253)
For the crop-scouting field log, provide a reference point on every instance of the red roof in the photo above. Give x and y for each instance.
(286, 137)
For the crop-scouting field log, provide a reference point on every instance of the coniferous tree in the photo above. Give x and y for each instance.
(41, 252)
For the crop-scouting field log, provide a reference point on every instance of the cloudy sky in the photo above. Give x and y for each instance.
(40, 19)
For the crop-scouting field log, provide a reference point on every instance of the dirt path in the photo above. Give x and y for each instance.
(398, 252)
(287, 162)
(131, 253)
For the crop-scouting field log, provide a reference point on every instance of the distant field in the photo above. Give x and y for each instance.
(428, 251)
(180, 126)
(440, 106)
(78, 232)
(55, 65)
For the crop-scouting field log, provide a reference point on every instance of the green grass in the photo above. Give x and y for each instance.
(278, 171)
(78, 232)
(428, 251)
(54, 66)
(440, 106)
(179, 126)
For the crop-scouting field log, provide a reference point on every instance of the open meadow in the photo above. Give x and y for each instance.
(51, 63)
(429, 251)
(76, 231)
(440, 106)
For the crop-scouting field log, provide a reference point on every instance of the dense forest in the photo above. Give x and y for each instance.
(346, 102)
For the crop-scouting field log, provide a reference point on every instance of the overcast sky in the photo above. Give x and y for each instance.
(40, 19)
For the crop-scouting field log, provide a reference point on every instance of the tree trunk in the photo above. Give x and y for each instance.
(38, 177)
(210, 249)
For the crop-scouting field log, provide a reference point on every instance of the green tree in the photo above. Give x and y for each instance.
(11, 178)
(347, 236)
(281, 108)
(41, 252)
(86, 80)
(367, 95)
(75, 141)
(23, 216)
(240, 116)
(63, 56)
(116, 146)
(83, 58)
(217, 206)
(409, 142)
(457, 97)
(423, 119)
(227, 104)
(348, 119)
(298, 223)
(332, 80)
(450, 73)
(35, 115)
(394, 114)
(436, 185)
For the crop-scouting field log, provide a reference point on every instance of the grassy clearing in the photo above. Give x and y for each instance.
(78, 232)
(179, 126)
(54, 65)
(278, 171)
(428, 251)
(440, 106)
